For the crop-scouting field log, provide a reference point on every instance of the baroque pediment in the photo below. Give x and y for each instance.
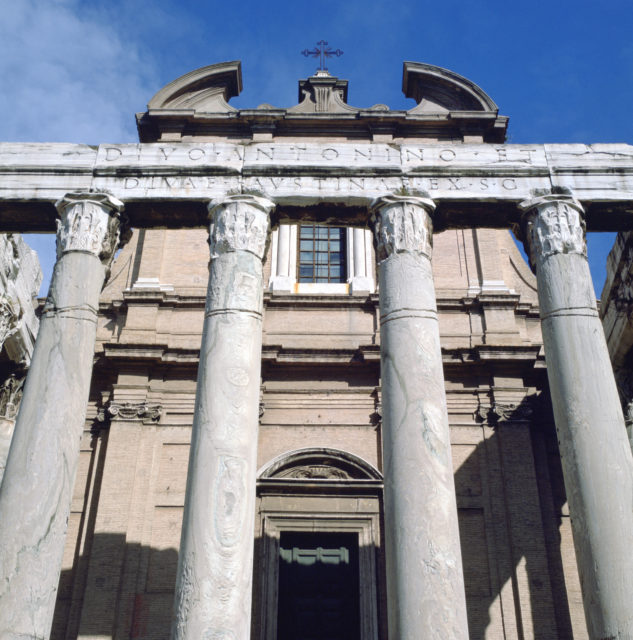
(319, 463)
(448, 106)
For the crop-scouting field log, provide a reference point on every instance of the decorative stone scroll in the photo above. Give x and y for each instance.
(403, 223)
(134, 411)
(239, 223)
(315, 472)
(505, 412)
(553, 223)
(89, 222)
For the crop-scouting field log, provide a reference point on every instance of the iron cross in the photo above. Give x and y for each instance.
(322, 51)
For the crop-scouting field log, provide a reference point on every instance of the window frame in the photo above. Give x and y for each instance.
(315, 251)
(359, 261)
(366, 526)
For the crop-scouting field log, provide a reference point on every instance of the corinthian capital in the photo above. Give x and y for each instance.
(240, 223)
(402, 224)
(89, 222)
(553, 223)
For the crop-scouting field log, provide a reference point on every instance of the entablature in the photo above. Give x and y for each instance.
(170, 185)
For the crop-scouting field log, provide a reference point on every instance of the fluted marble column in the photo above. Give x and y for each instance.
(36, 490)
(213, 590)
(425, 584)
(595, 453)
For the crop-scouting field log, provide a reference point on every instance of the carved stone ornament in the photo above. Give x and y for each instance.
(9, 317)
(240, 223)
(134, 411)
(10, 396)
(402, 224)
(500, 412)
(553, 223)
(89, 222)
(315, 472)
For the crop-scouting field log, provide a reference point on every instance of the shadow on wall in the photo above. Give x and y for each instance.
(513, 556)
(511, 503)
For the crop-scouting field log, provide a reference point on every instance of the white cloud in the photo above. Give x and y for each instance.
(68, 75)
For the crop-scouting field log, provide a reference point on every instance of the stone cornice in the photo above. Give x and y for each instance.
(529, 355)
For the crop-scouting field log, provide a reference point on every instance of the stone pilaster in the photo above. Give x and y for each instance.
(596, 457)
(425, 584)
(284, 259)
(36, 490)
(213, 590)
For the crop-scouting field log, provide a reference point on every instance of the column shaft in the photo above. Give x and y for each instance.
(36, 490)
(425, 585)
(213, 590)
(596, 457)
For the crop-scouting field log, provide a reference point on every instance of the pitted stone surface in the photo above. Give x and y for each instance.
(240, 223)
(34, 506)
(88, 222)
(296, 174)
(595, 453)
(213, 591)
(425, 583)
(553, 224)
(403, 223)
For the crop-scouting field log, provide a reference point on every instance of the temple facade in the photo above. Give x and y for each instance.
(291, 377)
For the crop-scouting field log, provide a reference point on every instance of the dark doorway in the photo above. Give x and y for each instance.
(318, 587)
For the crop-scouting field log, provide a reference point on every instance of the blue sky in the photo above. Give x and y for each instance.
(77, 71)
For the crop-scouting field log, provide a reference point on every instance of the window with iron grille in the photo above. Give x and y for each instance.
(322, 254)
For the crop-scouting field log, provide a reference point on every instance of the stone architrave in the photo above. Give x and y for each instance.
(36, 491)
(425, 583)
(595, 453)
(214, 581)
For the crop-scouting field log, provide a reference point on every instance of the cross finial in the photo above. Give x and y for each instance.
(322, 51)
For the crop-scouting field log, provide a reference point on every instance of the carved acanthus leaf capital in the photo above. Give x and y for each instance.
(402, 224)
(89, 222)
(240, 223)
(553, 223)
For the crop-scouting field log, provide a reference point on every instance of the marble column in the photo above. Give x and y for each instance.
(595, 453)
(36, 491)
(213, 589)
(425, 583)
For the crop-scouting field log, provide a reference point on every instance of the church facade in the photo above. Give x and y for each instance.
(346, 430)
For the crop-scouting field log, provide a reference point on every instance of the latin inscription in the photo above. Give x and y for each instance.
(327, 171)
(350, 155)
(268, 184)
